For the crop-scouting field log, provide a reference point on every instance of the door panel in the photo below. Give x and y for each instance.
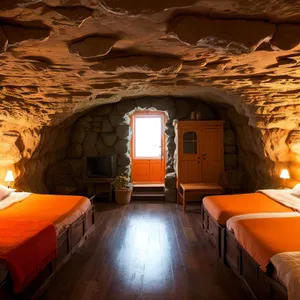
(189, 171)
(211, 153)
(210, 143)
(141, 170)
(148, 147)
(211, 171)
(155, 171)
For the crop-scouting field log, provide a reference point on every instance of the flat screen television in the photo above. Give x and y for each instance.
(101, 167)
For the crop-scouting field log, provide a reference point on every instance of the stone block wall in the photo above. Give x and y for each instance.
(106, 131)
(230, 148)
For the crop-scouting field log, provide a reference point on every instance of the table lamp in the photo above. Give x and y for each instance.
(9, 177)
(284, 175)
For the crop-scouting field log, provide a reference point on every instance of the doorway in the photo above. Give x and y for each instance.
(148, 147)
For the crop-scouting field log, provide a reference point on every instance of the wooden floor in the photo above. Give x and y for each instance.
(146, 251)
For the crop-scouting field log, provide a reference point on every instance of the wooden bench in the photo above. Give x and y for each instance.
(195, 191)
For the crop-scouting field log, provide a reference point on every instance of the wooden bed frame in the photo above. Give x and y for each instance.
(68, 242)
(261, 285)
(213, 230)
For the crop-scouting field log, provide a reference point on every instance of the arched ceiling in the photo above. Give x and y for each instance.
(60, 57)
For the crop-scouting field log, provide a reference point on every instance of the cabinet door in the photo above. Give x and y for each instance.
(188, 162)
(189, 171)
(188, 144)
(211, 153)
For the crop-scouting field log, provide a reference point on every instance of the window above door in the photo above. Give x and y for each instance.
(148, 136)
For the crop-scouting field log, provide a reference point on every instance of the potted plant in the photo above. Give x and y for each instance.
(123, 189)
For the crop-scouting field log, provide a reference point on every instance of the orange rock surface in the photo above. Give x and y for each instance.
(61, 58)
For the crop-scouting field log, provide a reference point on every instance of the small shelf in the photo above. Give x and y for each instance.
(105, 183)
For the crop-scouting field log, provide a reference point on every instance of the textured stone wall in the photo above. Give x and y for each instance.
(106, 131)
(41, 148)
(61, 58)
(261, 154)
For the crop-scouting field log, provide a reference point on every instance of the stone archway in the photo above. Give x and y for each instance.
(106, 131)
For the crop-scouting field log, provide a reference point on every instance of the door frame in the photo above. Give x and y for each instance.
(163, 140)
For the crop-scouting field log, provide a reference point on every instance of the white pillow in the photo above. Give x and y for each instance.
(4, 191)
(296, 190)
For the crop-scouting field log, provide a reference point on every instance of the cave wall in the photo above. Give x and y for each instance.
(33, 152)
(50, 149)
(264, 152)
(256, 167)
(61, 58)
(106, 131)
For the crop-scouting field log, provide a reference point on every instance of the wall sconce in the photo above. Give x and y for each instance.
(9, 177)
(284, 175)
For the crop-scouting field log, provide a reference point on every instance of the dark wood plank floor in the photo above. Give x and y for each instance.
(146, 251)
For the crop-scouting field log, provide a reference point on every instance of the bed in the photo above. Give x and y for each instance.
(73, 219)
(287, 266)
(216, 210)
(265, 235)
(268, 244)
(264, 272)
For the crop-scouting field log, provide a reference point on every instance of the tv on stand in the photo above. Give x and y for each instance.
(100, 174)
(101, 167)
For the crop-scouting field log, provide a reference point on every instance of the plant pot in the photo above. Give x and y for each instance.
(123, 196)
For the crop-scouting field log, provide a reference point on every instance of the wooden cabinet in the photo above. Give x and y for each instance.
(200, 151)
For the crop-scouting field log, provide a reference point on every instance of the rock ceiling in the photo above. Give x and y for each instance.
(60, 57)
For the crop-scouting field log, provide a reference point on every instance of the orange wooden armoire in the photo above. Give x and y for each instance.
(200, 151)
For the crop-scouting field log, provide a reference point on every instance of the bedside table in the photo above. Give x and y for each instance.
(104, 185)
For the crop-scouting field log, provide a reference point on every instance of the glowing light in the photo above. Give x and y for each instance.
(285, 174)
(9, 176)
(148, 137)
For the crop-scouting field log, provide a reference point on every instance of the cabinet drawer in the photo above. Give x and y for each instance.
(63, 251)
(256, 280)
(63, 247)
(89, 219)
(232, 252)
(77, 231)
(213, 230)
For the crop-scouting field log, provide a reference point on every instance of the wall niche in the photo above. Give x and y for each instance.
(105, 130)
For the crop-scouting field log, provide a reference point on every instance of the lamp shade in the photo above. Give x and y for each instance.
(285, 174)
(9, 176)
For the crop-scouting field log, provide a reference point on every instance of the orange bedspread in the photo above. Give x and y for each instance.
(222, 208)
(263, 238)
(54, 209)
(26, 247)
